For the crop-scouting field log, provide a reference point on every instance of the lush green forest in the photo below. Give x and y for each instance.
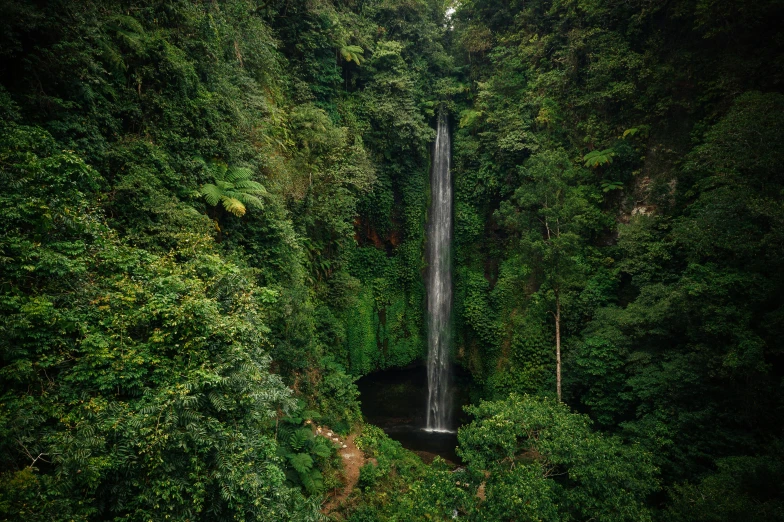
(212, 222)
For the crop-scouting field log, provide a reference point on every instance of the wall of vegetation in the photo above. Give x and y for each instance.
(617, 175)
(622, 159)
(213, 218)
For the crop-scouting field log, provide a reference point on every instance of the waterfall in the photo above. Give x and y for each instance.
(439, 284)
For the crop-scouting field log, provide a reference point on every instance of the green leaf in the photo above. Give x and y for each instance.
(302, 462)
(234, 206)
(599, 157)
(352, 53)
(321, 449)
(607, 186)
(211, 193)
(313, 481)
(299, 438)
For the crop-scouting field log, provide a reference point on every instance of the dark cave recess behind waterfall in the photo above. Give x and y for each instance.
(395, 400)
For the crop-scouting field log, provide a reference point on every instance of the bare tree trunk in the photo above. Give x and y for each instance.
(558, 345)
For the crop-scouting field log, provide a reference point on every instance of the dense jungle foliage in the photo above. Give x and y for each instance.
(213, 221)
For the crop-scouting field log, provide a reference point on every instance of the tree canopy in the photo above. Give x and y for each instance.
(212, 222)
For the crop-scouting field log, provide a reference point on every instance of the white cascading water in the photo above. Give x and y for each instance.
(439, 284)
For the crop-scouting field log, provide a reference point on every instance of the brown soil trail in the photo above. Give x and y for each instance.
(353, 460)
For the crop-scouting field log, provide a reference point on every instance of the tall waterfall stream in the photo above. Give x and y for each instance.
(393, 399)
(439, 284)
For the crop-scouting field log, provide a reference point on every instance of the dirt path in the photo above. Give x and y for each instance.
(353, 459)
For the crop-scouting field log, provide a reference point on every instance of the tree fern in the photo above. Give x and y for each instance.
(607, 186)
(301, 462)
(233, 189)
(299, 439)
(642, 131)
(352, 53)
(233, 206)
(599, 157)
(211, 193)
(313, 481)
(238, 174)
(321, 449)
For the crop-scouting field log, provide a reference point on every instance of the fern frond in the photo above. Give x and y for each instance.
(321, 449)
(211, 193)
(298, 439)
(235, 174)
(247, 199)
(219, 168)
(352, 53)
(302, 462)
(232, 187)
(251, 187)
(233, 206)
(598, 157)
(313, 481)
(607, 186)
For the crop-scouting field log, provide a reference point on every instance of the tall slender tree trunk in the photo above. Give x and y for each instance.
(558, 345)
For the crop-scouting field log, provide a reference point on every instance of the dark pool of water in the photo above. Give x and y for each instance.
(396, 401)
